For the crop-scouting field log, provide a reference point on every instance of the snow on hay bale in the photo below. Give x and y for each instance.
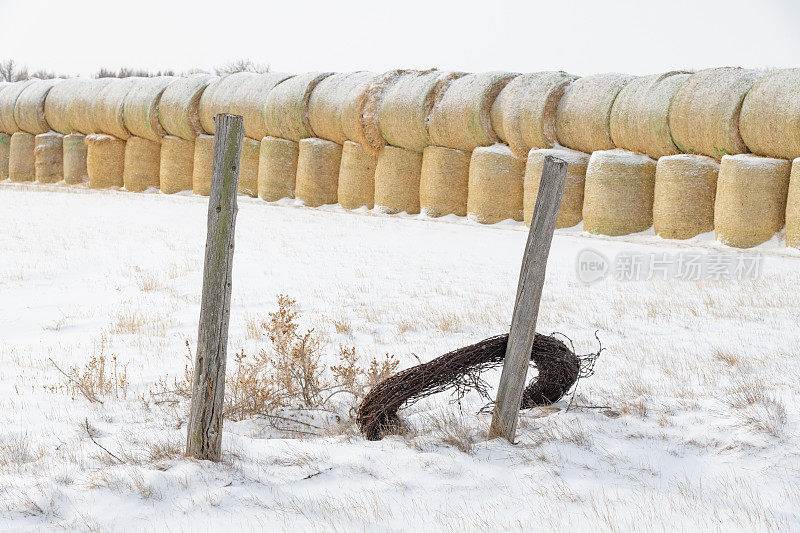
(202, 165)
(584, 113)
(81, 111)
(249, 100)
(495, 185)
(277, 168)
(21, 159)
(29, 109)
(397, 175)
(618, 195)
(286, 106)
(639, 117)
(570, 212)
(331, 101)
(176, 165)
(8, 101)
(248, 167)
(5, 145)
(105, 161)
(48, 156)
(109, 107)
(704, 114)
(770, 119)
(524, 113)
(405, 109)
(444, 181)
(793, 207)
(218, 97)
(683, 201)
(357, 176)
(178, 109)
(318, 165)
(361, 116)
(142, 164)
(74, 154)
(461, 119)
(141, 108)
(60, 100)
(750, 206)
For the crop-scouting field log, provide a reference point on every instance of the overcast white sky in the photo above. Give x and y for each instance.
(583, 37)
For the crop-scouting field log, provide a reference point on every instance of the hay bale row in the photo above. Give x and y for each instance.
(683, 200)
(286, 107)
(331, 104)
(141, 164)
(105, 161)
(570, 212)
(29, 109)
(178, 109)
(277, 168)
(5, 147)
(495, 185)
(357, 176)
(141, 108)
(250, 98)
(21, 158)
(444, 181)
(108, 112)
(176, 165)
(318, 163)
(769, 122)
(397, 177)
(48, 157)
(793, 207)
(74, 154)
(8, 101)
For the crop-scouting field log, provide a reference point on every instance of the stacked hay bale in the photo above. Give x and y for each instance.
(29, 114)
(179, 115)
(105, 160)
(49, 157)
(277, 168)
(21, 144)
(750, 205)
(704, 113)
(570, 212)
(495, 185)
(444, 181)
(318, 165)
(618, 195)
(356, 186)
(59, 110)
(770, 118)
(202, 163)
(793, 207)
(397, 177)
(683, 201)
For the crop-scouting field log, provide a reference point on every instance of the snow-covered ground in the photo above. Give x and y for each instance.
(690, 422)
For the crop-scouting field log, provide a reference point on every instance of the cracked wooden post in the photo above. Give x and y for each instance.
(529, 294)
(204, 433)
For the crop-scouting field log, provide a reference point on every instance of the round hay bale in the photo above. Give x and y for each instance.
(248, 167)
(141, 108)
(750, 206)
(495, 185)
(109, 107)
(406, 106)
(5, 146)
(361, 122)
(249, 99)
(81, 110)
(8, 102)
(683, 201)
(524, 113)
(397, 175)
(218, 97)
(704, 114)
(639, 117)
(618, 195)
(105, 161)
(770, 119)
(178, 109)
(21, 159)
(177, 164)
(74, 154)
(48, 157)
(584, 113)
(357, 176)
(59, 102)
(329, 103)
(203, 162)
(277, 168)
(461, 118)
(570, 212)
(444, 181)
(286, 106)
(142, 164)
(318, 163)
(793, 207)
(29, 109)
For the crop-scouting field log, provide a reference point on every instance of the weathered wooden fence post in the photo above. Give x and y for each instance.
(529, 294)
(204, 436)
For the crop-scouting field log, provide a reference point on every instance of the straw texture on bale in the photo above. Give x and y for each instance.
(318, 165)
(524, 113)
(618, 195)
(357, 176)
(248, 167)
(330, 102)
(277, 168)
(29, 109)
(105, 161)
(397, 175)
(8, 102)
(361, 121)
(583, 115)
(683, 202)
(21, 159)
(444, 180)
(570, 212)
(286, 106)
(461, 118)
(639, 118)
(109, 108)
(793, 207)
(770, 119)
(203, 161)
(178, 109)
(750, 206)
(218, 97)
(75, 159)
(60, 100)
(141, 108)
(495, 185)
(176, 165)
(704, 114)
(406, 107)
(81, 110)
(49, 157)
(249, 100)
(142, 164)
(5, 146)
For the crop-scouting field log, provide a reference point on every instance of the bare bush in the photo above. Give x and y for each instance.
(241, 65)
